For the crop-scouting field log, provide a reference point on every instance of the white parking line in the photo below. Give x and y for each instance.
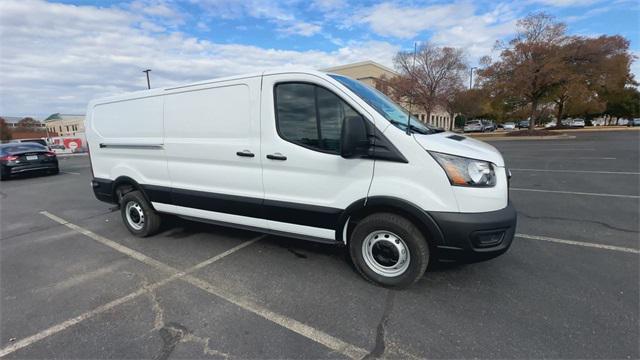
(576, 193)
(114, 245)
(579, 243)
(311, 333)
(70, 173)
(176, 274)
(564, 149)
(78, 319)
(507, 155)
(579, 171)
(319, 336)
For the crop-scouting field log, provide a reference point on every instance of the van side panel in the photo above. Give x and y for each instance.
(126, 139)
(205, 128)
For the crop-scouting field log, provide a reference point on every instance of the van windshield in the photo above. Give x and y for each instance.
(391, 111)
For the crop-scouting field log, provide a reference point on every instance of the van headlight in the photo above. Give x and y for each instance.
(463, 171)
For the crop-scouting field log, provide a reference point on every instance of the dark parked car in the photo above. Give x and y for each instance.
(19, 158)
(488, 125)
(524, 124)
(42, 142)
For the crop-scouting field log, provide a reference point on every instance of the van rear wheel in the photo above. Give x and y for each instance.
(138, 215)
(389, 250)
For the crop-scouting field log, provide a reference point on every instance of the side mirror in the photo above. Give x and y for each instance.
(354, 141)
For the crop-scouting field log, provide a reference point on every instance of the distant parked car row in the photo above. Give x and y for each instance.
(487, 125)
(575, 123)
(634, 122)
(479, 126)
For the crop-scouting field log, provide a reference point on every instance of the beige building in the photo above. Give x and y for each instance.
(65, 125)
(372, 73)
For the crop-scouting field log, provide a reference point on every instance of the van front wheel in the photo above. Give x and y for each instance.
(138, 216)
(389, 250)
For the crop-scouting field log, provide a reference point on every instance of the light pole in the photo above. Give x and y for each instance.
(148, 83)
(471, 77)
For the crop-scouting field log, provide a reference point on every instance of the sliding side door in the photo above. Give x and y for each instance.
(212, 144)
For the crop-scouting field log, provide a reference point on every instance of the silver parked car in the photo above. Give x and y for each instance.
(474, 126)
(576, 123)
(634, 122)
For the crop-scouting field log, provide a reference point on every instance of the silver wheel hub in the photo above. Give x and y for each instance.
(385, 253)
(135, 215)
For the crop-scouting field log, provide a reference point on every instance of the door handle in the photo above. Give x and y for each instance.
(276, 156)
(245, 153)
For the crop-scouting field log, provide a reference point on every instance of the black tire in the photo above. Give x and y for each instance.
(138, 215)
(4, 175)
(55, 171)
(411, 237)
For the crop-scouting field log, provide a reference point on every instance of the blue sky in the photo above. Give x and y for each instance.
(64, 53)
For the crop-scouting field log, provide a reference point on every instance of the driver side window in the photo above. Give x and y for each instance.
(310, 116)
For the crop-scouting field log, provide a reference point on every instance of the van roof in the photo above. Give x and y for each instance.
(162, 90)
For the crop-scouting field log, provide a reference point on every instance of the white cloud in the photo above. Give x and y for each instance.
(328, 5)
(566, 3)
(57, 57)
(301, 28)
(233, 9)
(388, 19)
(275, 12)
(153, 27)
(588, 14)
(455, 24)
(154, 8)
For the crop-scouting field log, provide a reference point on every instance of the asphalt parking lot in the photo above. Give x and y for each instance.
(75, 284)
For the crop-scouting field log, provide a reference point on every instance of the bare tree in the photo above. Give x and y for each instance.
(28, 122)
(427, 79)
(453, 101)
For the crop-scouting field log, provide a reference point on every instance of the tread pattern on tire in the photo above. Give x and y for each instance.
(419, 249)
(152, 219)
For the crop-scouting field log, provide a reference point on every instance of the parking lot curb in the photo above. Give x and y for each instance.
(601, 128)
(519, 138)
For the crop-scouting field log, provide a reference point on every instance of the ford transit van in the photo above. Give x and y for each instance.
(303, 154)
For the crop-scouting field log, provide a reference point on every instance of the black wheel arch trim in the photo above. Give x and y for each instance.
(424, 221)
(105, 189)
(121, 180)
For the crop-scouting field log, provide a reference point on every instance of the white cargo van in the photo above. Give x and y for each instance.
(303, 154)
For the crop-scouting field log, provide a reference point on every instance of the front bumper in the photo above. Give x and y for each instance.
(476, 235)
